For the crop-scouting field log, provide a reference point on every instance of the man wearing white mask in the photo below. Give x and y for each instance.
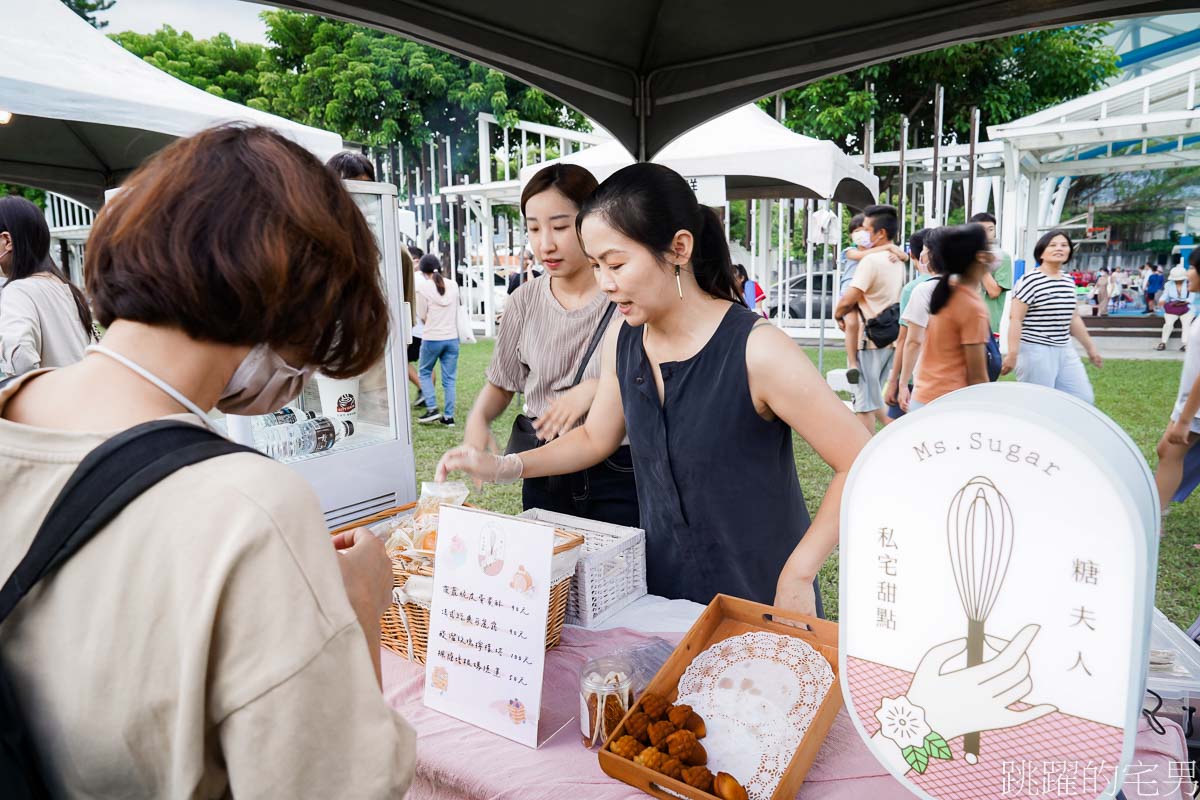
(874, 296)
(850, 258)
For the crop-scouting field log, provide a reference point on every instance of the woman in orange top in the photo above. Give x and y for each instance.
(955, 351)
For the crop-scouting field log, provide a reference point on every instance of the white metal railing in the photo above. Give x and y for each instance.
(565, 137)
(63, 213)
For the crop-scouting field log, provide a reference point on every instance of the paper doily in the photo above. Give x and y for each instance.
(755, 749)
(757, 693)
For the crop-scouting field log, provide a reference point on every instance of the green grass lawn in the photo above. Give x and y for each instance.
(1137, 394)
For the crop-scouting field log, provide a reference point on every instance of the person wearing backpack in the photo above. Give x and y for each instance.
(874, 293)
(211, 639)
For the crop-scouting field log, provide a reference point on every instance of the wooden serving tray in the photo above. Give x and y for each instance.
(725, 617)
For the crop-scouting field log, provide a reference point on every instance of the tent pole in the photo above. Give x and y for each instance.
(752, 224)
(974, 166)
(903, 173)
(762, 266)
(938, 99)
(489, 266)
(782, 204)
(485, 155)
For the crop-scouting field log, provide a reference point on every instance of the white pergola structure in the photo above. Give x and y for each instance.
(1024, 172)
(1146, 123)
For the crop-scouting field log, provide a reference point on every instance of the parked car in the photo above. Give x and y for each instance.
(798, 289)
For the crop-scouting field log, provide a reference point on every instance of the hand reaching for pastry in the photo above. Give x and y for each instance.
(568, 409)
(482, 466)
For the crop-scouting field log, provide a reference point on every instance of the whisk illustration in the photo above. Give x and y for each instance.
(979, 531)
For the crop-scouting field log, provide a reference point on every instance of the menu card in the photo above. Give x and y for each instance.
(487, 623)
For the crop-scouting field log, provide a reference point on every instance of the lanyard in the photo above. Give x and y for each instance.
(167, 388)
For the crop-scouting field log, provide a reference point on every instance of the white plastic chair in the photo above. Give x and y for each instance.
(836, 378)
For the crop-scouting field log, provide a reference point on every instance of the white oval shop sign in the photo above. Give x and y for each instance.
(998, 553)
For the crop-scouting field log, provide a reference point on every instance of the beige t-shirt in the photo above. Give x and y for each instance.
(880, 280)
(541, 344)
(201, 645)
(39, 326)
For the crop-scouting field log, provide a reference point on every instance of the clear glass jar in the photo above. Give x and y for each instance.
(605, 695)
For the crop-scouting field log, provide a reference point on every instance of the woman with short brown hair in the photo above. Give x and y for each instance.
(211, 625)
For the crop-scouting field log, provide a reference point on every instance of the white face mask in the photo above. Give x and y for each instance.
(262, 383)
(861, 238)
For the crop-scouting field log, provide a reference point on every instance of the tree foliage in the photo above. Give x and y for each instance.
(366, 85)
(218, 65)
(378, 88)
(1006, 78)
(35, 196)
(87, 9)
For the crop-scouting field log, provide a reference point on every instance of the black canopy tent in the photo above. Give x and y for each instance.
(650, 70)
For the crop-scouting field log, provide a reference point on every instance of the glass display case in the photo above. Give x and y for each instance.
(369, 465)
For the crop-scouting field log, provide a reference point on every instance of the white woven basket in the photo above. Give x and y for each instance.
(611, 572)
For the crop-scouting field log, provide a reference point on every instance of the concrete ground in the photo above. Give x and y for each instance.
(1136, 348)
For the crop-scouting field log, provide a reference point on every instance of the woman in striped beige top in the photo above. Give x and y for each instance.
(542, 352)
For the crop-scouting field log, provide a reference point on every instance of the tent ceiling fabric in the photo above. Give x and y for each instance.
(86, 112)
(649, 70)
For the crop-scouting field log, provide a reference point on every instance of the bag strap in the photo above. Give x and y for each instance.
(594, 343)
(105, 482)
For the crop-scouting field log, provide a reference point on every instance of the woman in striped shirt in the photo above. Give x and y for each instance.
(1043, 319)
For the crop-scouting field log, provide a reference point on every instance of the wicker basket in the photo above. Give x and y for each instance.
(611, 572)
(404, 628)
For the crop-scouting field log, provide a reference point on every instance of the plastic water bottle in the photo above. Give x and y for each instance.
(303, 438)
(284, 416)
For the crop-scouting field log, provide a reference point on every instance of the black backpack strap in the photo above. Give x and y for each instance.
(108, 479)
(594, 343)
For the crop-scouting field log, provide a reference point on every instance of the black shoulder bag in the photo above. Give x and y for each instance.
(884, 329)
(108, 479)
(523, 436)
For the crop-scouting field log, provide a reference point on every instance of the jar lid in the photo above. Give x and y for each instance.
(606, 674)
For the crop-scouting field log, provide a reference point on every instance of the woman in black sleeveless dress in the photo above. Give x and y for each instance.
(709, 395)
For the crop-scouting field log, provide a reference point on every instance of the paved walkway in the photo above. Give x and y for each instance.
(1136, 348)
(1128, 348)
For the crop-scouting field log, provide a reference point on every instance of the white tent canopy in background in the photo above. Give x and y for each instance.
(86, 112)
(759, 158)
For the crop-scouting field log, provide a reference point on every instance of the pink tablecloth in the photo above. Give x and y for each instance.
(456, 761)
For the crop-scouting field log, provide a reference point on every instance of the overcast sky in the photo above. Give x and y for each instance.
(202, 18)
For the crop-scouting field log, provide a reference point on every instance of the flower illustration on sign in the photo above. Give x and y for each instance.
(902, 722)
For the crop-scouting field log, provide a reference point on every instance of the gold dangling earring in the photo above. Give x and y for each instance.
(678, 284)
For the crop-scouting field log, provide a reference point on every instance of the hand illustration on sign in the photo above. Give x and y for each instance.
(943, 703)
